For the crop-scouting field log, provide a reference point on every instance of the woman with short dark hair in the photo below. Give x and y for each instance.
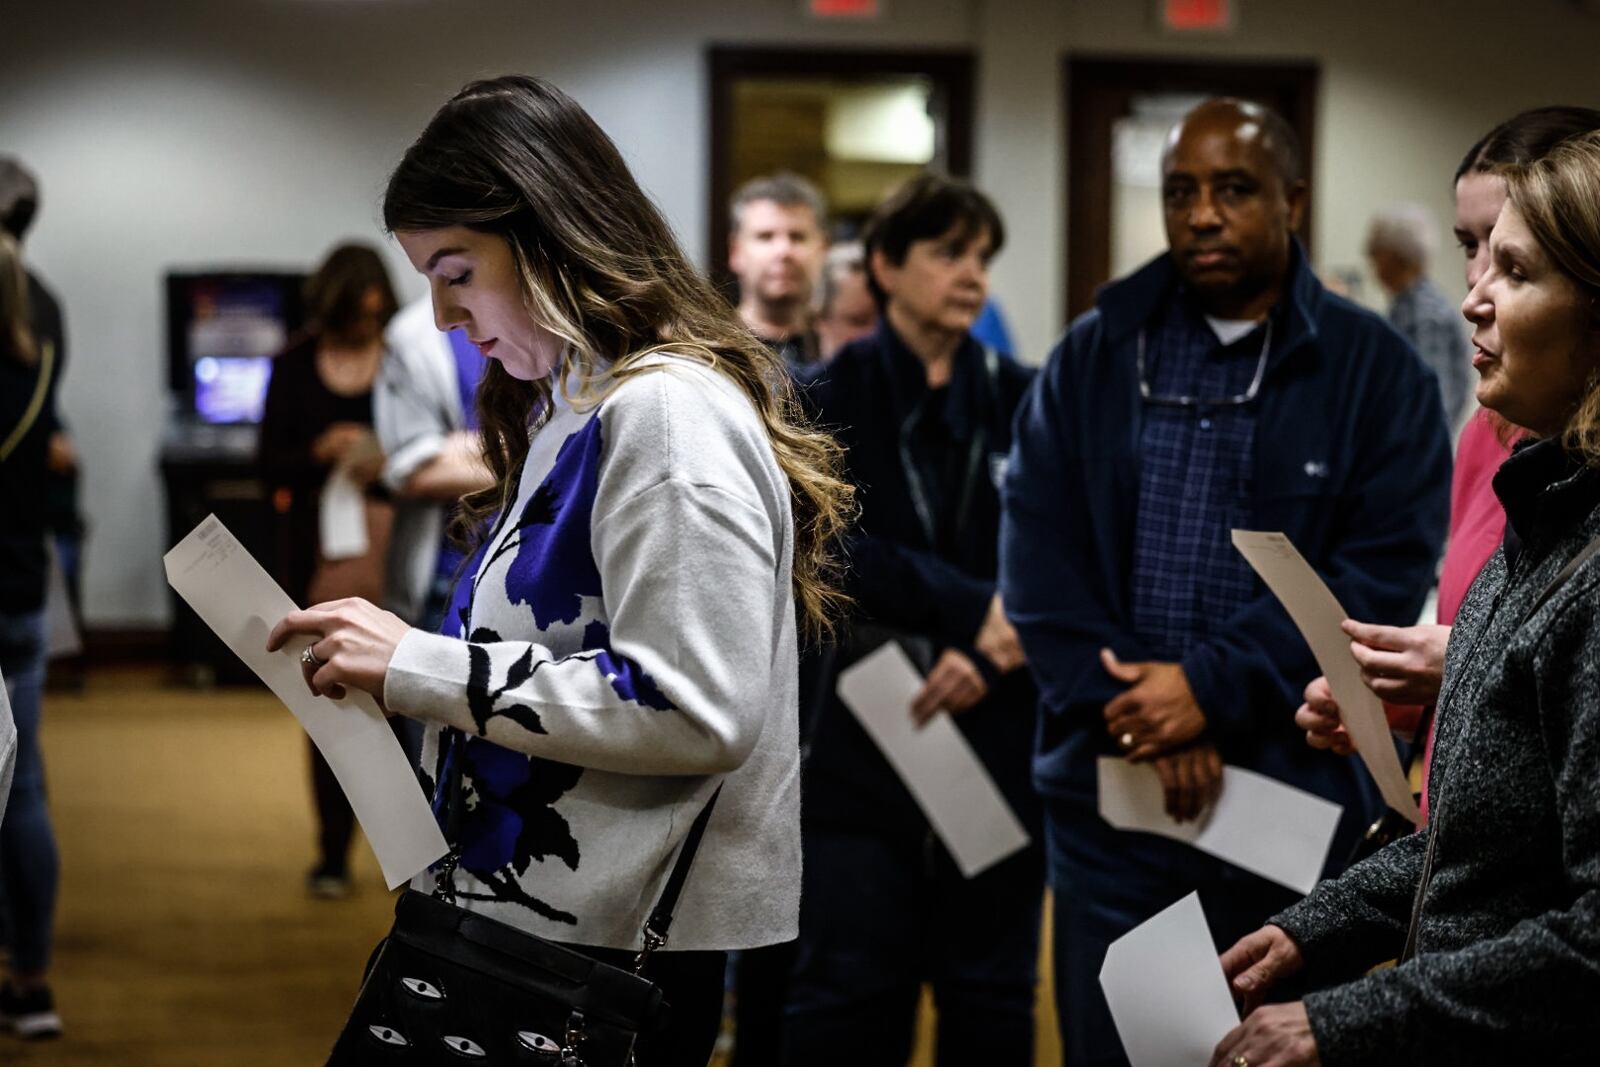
(925, 412)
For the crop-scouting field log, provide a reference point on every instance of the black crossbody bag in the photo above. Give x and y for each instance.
(449, 985)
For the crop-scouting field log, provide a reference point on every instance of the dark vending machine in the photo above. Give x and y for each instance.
(223, 330)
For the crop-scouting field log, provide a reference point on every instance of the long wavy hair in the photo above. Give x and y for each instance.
(1559, 198)
(602, 270)
(16, 333)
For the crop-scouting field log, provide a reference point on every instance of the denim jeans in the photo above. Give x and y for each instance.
(880, 915)
(28, 863)
(1104, 882)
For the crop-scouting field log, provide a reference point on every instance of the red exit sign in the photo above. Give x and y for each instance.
(845, 9)
(1201, 15)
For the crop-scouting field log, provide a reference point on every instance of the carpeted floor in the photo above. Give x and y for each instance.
(185, 934)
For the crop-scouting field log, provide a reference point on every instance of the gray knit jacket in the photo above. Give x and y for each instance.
(1507, 969)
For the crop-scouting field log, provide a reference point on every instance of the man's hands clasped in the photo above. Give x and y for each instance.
(1157, 720)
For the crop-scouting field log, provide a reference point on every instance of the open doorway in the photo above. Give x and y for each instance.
(1118, 113)
(855, 123)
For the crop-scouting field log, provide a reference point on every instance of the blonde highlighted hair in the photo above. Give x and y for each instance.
(16, 332)
(518, 158)
(1558, 196)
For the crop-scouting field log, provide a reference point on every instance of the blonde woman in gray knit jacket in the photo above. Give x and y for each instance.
(1500, 894)
(623, 638)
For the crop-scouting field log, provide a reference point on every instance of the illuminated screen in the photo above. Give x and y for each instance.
(235, 325)
(231, 388)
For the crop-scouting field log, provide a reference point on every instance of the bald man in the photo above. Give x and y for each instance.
(1219, 387)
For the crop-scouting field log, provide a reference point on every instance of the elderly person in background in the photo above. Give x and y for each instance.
(847, 311)
(1399, 244)
(1494, 908)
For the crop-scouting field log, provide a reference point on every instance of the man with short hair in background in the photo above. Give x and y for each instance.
(1219, 387)
(776, 246)
(1400, 241)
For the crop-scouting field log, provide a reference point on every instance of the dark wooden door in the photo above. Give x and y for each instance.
(950, 75)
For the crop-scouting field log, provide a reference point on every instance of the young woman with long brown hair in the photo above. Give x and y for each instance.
(623, 639)
(318, 420)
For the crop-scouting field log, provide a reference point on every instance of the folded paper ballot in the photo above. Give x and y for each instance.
(1317, 614)
(8, 746)
(1166, 990)
(940, 769)
(1258, 823)
(217, 577)
(342, 516)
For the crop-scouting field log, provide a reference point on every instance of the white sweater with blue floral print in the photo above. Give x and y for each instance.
(623, 642)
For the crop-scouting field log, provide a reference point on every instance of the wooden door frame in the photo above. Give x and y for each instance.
(1091, 116)
(953, 71)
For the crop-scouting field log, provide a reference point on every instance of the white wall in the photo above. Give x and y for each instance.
(198, 132)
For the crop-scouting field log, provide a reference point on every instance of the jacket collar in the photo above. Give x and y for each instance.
(909, 379)
(1131, 303)
(1544, 489)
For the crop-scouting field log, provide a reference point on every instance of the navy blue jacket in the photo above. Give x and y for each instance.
(902, 579)
(1352, 462)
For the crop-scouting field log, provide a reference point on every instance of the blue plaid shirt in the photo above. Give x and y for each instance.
(1196, 476)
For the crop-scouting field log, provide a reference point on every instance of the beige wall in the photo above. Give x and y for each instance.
(193, 133)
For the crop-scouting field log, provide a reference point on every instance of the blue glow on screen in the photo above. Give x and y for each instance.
(231, 389)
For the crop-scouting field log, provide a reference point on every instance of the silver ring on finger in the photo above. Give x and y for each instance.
(310, 659)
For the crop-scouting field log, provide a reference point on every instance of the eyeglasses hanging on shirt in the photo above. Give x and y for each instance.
(1149, 395)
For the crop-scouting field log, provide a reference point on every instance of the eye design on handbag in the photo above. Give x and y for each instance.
(388, 1036)
(465, 1046)
(538, 1043)
(425, 990)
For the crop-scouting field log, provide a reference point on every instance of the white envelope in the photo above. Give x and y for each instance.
(61, 629)
(946, 778)
(342, 516)
(217, 577)
(1258, 823)
(1166, 990)
(1317, 614)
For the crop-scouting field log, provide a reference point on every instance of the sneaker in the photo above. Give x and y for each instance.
(326, 883)
(31, 1015)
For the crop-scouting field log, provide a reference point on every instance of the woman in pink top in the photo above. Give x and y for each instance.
(1403, 664)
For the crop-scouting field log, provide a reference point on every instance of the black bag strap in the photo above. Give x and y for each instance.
(30, 414)
(659, 921)
(1584, 555)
